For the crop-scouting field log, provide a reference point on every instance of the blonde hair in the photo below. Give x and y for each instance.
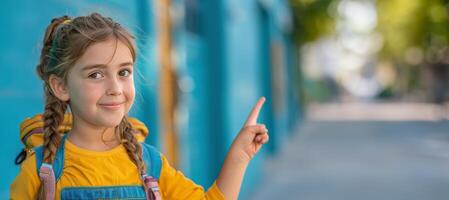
(65, 41)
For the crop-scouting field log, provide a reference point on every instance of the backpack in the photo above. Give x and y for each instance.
(31, 135)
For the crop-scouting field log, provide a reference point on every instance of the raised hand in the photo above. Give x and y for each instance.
(252, 135)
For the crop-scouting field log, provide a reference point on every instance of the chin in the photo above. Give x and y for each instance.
(111, 122)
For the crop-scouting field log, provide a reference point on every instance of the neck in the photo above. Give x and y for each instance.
(91, 137)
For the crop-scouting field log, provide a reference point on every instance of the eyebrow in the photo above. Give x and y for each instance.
(93, 66)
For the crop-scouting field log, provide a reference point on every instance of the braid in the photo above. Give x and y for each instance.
(132, 146)
(52, 117)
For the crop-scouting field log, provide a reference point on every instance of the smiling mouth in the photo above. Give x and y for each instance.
(111, 105)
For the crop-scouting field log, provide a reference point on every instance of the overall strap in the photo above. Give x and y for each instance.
(153, 192)
(47, 177)
(153, 161)
(50, 173)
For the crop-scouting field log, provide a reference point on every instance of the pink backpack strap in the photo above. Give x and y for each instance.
(47, 176)
(153, 192)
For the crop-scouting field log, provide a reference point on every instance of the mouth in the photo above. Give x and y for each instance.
(111, 106)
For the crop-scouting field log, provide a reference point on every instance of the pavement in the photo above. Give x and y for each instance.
(371, 159)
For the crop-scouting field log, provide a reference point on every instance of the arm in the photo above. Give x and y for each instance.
(174, 185)
(247, 143)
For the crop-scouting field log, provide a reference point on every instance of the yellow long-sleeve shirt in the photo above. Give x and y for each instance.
(109, 168)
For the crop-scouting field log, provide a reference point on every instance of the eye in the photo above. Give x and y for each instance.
(96, 75)
(125, 72)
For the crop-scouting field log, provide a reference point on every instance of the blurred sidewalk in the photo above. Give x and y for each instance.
(378, 112)
(373, 153)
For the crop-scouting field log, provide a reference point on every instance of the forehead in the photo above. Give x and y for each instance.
(110, 52)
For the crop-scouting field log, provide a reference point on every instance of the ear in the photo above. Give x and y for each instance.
(59, 88)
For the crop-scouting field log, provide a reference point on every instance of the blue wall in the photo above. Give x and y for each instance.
(253, 36)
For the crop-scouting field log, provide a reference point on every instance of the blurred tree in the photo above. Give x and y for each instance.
(416, 38)
(312, 19)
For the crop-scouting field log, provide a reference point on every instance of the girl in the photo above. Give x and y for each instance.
(87, 66)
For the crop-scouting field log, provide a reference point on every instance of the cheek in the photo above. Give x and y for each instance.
(85, 94)
(130, 91)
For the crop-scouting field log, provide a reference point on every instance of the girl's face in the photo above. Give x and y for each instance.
(101, 85)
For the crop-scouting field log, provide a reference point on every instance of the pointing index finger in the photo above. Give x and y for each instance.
(252, 118)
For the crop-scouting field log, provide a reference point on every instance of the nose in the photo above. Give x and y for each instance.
(113, 87)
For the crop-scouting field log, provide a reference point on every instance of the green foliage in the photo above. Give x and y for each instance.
(312, 19)
(421, 25)
(405, 24)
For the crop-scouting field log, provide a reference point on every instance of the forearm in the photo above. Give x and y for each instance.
(231, 176)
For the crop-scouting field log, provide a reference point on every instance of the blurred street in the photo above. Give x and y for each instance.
(332, 159)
